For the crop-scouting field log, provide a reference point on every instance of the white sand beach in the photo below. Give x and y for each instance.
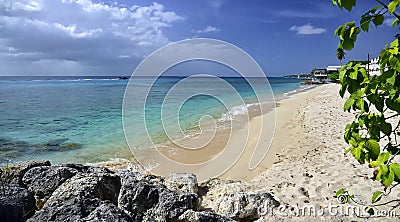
(311, 166)
(306, 164)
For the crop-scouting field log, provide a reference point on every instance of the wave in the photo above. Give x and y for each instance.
(237, 111)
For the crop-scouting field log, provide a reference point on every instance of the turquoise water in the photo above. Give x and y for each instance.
(79, 119)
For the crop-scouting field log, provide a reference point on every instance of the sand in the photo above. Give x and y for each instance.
(305, 164)
(311, 165)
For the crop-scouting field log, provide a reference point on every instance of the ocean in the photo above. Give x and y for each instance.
(79, 118)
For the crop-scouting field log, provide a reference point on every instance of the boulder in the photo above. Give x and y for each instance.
(80, 195)
(146, 198)
(87, 169)
(108, 212)
(13, 174)
(171, 205)
(244, 206)
(230, 198)
(186, 182)
(16, 203)
(44, 180)
(203, 216)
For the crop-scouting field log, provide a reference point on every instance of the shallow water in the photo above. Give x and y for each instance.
(79, 119)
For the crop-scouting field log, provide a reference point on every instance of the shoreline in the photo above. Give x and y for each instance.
(304, 169)
(284, 104)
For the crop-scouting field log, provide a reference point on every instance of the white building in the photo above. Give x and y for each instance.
(374, 68)
(331, 69)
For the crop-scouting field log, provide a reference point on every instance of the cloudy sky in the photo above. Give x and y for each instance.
(91, 37)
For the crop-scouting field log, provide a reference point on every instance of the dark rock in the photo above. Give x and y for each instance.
(171, 205)
(87, 169)
(203, 216)
(145, 198)
(108, 212)
(80, 195)
(43, 181)
(13, 174)
(16, 203)
(138, 197)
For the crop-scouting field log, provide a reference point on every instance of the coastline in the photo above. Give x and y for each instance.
(296, 181)
(306, 164)
(284, 135)
(312, 166)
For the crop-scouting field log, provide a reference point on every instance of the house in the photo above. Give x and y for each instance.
(320, 74)
(374, 68)
(332, 69)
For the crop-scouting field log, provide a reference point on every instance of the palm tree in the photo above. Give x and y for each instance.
(340, 54)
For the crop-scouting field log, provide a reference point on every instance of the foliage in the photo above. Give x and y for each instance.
(372, 136)
(4, 177)
(333, 76)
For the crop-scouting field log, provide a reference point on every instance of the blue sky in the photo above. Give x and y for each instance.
(87, 37)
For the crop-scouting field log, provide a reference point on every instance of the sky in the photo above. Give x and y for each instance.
(92, 37)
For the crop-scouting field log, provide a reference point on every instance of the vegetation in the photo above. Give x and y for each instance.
(4, 177)
(333, 76)
(300, 76)
(372, 136)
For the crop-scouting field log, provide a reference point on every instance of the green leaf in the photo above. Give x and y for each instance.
(342, 90)
(373, 148)
(342, 75)
(348, 43)
(358, 154)
(364, 23)
(392, 6)
(348, 104)
(386, 128)
(388, 179)
(348, 4)
(340, 192)
(395, 22)
(376, 196)
(360, 105)
(373, 10)
(382, 171)
(382, 158)
(391, 80)
(395, 168)
(353, 75)
(370, 210)
(378, 20)
(393, 105)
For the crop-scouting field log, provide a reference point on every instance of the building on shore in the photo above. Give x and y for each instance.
(332, 69)
(373, 67)
(320, 74)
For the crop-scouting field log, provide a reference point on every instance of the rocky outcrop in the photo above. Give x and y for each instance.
(13, 174)
(182, 181)
(38, 191)
(44, 180)
(79, 196)
(16, 203)
(203, 216)
(230, 199)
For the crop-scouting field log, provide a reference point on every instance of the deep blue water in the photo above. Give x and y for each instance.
(78, 119)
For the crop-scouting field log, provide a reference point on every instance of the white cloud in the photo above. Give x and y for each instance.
(389, 20)
(82, 31)
(307, 29)
(207, 29)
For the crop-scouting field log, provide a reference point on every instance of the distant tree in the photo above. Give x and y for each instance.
(372, 136)
(340, 54)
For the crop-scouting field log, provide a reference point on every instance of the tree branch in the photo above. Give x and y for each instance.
(385, 6)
